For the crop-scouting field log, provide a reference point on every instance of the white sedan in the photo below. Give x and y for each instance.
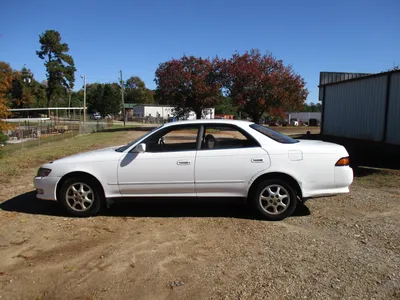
(200, 158)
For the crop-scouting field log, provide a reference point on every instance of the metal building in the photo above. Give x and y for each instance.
(161, 111)
(365, 107)
(303, 116)
(330, 77)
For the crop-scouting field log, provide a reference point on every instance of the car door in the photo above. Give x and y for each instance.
(166, 168)
(228, 159)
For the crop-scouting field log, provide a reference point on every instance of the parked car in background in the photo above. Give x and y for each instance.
(108, 117)
(200, 158)
(95, 116)
(314, 122)
(274, 122)
(294, 122)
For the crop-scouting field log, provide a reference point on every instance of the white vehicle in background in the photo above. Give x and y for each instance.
(95, 116)
(294, 122)
(201, 158)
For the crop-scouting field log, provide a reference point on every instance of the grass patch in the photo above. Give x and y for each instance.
(10, 148)
(377, 178)
(19, 163)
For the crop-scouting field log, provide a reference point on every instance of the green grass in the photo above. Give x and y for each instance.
(19, 162)
(11, 148)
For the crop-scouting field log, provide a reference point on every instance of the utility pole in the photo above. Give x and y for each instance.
(84, 100)
(69, 104)
(122, 96)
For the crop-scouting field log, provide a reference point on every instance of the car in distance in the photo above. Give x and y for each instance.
(314, 122)
(95, 116)
(294, 122)
(200, 158)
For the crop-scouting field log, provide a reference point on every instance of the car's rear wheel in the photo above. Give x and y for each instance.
(274, 199)
(81, 197)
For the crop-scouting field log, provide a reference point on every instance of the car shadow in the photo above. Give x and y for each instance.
(171, 208)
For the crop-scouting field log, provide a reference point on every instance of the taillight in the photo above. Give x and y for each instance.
(43, 172)
(344, 161)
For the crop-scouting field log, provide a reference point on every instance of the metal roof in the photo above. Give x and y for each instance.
(360, 78)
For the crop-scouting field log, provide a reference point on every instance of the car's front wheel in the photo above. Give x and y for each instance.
(274, 199)
(80, 197)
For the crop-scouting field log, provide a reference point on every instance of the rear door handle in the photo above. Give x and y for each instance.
(257, 160)
(183, 162)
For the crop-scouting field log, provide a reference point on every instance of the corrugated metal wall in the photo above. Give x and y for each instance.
(393, 129)
(329, 77)
(357, 109)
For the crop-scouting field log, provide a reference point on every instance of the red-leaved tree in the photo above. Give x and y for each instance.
(261, 83)
(189, 84)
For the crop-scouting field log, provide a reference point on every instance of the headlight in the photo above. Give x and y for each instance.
(43, 172)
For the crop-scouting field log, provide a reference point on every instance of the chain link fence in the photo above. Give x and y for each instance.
(27, 134)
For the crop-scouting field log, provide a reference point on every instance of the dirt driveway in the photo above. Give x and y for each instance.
(344, 247)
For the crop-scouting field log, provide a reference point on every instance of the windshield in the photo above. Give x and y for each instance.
(272, 134)
(123, 148)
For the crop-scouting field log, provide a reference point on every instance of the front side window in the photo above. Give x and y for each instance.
(177, 138)
(226, 137)
(123, 148)
(272, 134)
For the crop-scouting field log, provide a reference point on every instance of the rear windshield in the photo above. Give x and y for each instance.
(272, 134)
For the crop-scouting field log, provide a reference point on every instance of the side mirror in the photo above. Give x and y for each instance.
(140, 148)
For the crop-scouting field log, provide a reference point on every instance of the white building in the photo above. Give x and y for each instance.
(303, 116)
(161, 111)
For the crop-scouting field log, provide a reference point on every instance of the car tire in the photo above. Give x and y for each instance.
(81, 197)
(274, 199)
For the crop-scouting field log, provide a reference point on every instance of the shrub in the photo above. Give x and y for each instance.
(3, 138)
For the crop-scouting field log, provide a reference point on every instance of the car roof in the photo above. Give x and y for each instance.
(210, 121)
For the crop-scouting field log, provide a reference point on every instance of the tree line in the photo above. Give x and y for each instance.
(253, 83)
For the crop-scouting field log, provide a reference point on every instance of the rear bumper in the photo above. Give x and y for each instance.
(343, 178)
(46, 187)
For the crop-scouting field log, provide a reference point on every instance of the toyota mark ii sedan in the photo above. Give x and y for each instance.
(201, 158)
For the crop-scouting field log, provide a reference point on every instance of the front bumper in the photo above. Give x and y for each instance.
(46, 187)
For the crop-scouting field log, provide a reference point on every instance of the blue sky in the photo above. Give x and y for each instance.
(135, 36)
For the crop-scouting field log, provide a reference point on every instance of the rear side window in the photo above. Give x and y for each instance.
(223, 136)
(272, 134)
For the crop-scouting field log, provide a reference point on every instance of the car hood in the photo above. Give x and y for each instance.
(104, 154)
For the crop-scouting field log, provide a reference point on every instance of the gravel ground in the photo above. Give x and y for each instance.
(344, 247)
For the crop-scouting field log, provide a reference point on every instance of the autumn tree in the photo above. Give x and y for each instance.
(59, 64)
(259, 83)
(136, 91)
(189, 84)
(6, 79)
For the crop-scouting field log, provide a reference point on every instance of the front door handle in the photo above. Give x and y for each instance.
(257, 160)
(183, 162)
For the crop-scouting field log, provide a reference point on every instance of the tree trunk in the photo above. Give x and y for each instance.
(198, 113)
(256, 118)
